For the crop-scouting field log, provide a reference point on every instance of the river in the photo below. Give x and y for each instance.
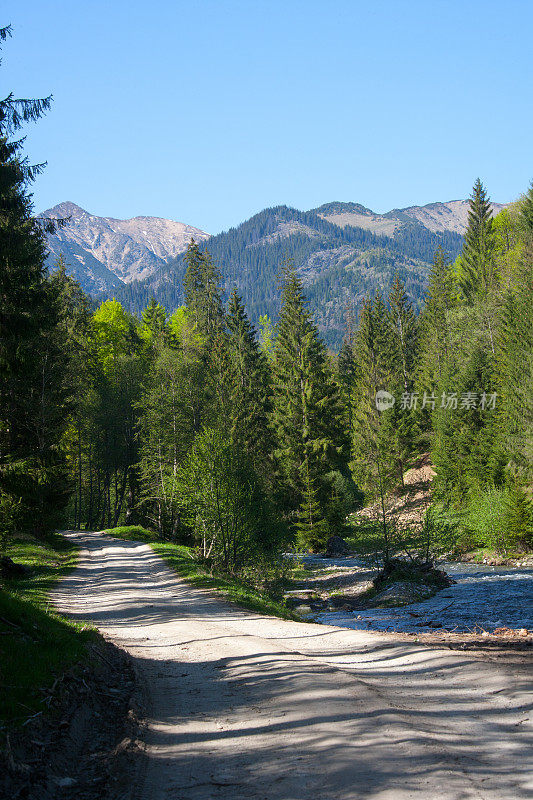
(483, 597)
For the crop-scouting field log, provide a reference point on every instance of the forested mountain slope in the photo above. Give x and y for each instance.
(343, 252)
(338, 265)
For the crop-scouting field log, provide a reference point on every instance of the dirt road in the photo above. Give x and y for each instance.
(245, 707)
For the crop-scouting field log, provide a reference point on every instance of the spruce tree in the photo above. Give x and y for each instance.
(465, 443)
(78, 368)
(514, 367)
(219, 410)
(205, 313)
(435, 345)
(404, 334)
(307, 414)
(346, 365)
(346, 371)
(477, 258)
(14, 112)
(401, 419)
(371, 449)
(155, 321)
(32, 393)
(519, 517)
(203, 296)
(251, 393)
(312, 528)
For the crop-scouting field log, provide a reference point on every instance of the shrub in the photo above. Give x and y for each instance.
(486, 519)
(225, 505)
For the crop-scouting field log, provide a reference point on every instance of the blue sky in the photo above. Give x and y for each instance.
(207, 112)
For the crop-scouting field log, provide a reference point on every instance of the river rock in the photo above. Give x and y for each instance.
(297, 597)
(336, 546)
(402, 593)
(303, 609)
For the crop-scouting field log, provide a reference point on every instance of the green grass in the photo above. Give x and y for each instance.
(133, 533)
(300, 573)
(36, 643)
(180, 559)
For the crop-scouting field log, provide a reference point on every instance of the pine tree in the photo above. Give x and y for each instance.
(203, 296)
(477, 258)
(307, 415)
(251, 393)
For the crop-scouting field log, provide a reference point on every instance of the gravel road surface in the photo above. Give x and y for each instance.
(241, 706)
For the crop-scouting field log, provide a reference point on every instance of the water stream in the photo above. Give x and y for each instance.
(483, 597)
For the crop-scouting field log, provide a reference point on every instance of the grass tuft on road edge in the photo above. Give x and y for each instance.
(180, 559)
(36, 643)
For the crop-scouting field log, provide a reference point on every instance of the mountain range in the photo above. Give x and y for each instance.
(104, 253)
(343, 252)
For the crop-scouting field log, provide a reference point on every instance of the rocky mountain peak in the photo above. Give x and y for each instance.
(66, 209)
(103, 252)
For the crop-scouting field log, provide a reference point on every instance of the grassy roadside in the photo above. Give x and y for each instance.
(180, 559)
(36, 643)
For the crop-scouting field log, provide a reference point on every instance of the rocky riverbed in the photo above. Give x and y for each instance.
(483, 598)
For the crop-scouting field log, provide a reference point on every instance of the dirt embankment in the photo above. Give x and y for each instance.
(85, 745)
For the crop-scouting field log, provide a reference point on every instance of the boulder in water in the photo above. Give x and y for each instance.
(336, 546)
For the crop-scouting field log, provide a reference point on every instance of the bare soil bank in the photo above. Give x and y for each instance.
(86, 745)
